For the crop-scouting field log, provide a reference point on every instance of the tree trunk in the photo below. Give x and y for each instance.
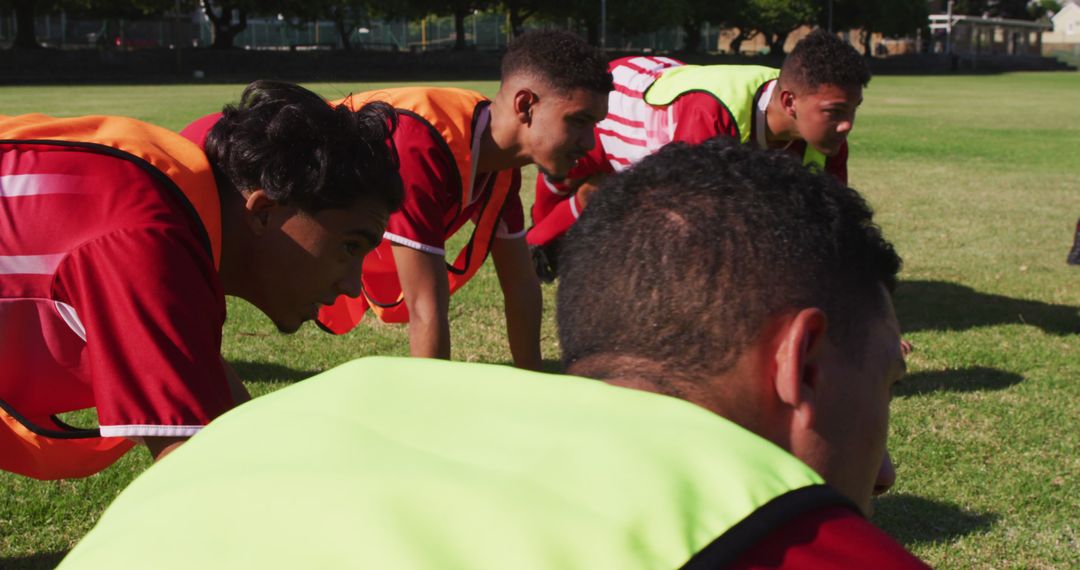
(736, 44)
(225, 31)
(776, 43)
(517, 20)
(692, 27)
(344, 30)
(592, 31)
(459, 29)
(25, 36)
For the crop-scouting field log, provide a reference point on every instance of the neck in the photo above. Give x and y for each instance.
(779, 127)
(732, 394)
(644, 374)
(500, 148)
(235, 238)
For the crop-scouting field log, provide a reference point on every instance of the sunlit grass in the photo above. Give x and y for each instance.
(976, 180)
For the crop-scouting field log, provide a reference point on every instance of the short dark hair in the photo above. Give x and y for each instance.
(561, 58)
(822, 58)
(683, 258)
(290, 143)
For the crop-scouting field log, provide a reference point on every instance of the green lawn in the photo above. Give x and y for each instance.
(976, 180)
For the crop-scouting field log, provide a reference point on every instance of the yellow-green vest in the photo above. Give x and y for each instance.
(394, 463)
(734, 86)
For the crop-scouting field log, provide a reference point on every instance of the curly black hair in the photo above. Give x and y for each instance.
(682, 258)
(289, 142)
(561, 58)
(820, 59)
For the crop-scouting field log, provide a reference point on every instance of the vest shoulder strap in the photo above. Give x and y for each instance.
(451, 113)
(735, 86)
(183, 165)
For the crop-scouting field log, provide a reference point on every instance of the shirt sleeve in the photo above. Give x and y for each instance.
(833, 537)
(432, 188)
(152, 310)
(700, 117)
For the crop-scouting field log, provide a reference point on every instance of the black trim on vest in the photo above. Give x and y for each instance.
(727, 548)
(66, 431)
(157, 175)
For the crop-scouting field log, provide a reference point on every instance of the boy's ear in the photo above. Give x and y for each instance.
(524, 101)
(257, 209)
(787, 103)
(797, 361)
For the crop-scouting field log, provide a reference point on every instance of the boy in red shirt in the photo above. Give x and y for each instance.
(119, 241)
(806, 108)
(460, 160)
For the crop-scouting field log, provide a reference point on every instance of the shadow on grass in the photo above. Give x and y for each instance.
(269, 372)
(552, 366)
(938, 305)
(914, 520)
(960, 380)
(38, 561)
(549, 365)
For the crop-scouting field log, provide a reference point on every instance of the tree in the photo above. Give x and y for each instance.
(776, 19)
(121, 10)
(25, 13)
(643, 16)
(347, 15)
(25, 33)
(1016, 9)
(694, 14)
(585, 13)
(220, 13)
(520, 10)
(891, 18)
(459, 9)
(1044, 8)
(27, 10)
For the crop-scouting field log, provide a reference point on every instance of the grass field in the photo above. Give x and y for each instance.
(976, 180)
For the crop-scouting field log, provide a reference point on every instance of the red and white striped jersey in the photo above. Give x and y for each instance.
(633, 129)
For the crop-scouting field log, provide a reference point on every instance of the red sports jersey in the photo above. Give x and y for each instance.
(831, 538)
(108, 295)
(433, 209)
(633, 129)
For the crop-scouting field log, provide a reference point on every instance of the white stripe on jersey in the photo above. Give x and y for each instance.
(649, 125)
(616, 148)
(71, 317)
(143, 430)
(551, 187)
(30, 264)
(13, 185)
(413, 244)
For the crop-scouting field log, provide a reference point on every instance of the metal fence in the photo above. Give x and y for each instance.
(483, 30)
